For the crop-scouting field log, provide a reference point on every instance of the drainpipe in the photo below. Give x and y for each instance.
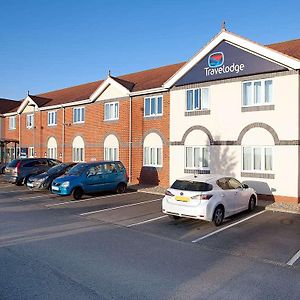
(19, 136)
(130, 139)
(63, 137)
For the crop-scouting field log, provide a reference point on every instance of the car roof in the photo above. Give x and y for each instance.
(208, 178)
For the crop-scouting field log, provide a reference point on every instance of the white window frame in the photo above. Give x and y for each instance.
(262, 163)
(52, 152)
(199, 107)
(82, 115)
(30, 152)
(78, 154)
(111, 153)
(29, 121)
(112, 115)
(149, 162)
(155, 113)
(201, 147)
(263, 92)
(52, 121)
(12, 123)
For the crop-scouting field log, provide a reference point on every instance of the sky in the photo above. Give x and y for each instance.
(48, 45)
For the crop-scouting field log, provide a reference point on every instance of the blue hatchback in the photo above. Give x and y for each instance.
(93, 177)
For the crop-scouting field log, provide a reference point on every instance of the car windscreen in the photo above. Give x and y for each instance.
(56, 169)
(13, 163)
(78, 169)
(194, 186)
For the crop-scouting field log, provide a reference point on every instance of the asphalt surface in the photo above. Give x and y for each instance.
(111, 246)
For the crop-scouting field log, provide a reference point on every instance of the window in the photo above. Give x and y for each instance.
(257, 159)
(52, 118)
(152, 156)
(52, 148)
(12, 122)
(153, 106)
(111, 153)
(30, 121)
(78, 115)
(31, 152)
(78, 149)
(257, 92)
(197, 157)
(197, 99)
(111, 111)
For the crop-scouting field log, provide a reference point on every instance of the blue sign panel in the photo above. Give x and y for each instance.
(228, 61)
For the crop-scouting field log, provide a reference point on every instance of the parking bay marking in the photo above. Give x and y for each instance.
(84, 200)
(226, 227)
(33, 197)
(146, 221)
(294, 259)
(117, 207)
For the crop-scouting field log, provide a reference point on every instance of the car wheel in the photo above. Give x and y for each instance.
(174, 217)
(218, 216)
(252, 203)
(19, 182)
(121, 188)
(77, 193)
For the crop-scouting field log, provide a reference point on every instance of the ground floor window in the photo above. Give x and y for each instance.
(197, 157)
(78, 154)
(258, 158)
(31, 152)
(52, 152)
(152, 156)
(111, 153)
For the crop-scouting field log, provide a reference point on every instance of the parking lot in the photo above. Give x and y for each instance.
(262, 236)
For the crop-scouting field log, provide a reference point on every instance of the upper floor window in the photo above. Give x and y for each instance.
(258, 159)
(258, 92)
(12, 122)
(153, 106)
(78, 115)
(52, 118)
(30, 120)
(197, 99)
(111, 111)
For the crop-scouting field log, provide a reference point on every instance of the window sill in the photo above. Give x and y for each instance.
(78, 123)
(196, 171)
(52, 125)
(111, 120)
(258, 107)
(258, 175)
(153, 117)
(197, 113)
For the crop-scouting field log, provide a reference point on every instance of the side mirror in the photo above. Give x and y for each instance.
(245, 186)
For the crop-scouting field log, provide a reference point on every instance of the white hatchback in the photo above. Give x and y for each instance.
(208, 197)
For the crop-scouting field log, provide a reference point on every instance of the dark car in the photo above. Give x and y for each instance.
(19, 170)
(2, 167)
(43, 181)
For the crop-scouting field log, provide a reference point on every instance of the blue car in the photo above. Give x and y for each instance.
(86, 178)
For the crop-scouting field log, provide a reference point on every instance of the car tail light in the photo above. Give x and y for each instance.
(17, 168)
(168, 193)
(202, 197)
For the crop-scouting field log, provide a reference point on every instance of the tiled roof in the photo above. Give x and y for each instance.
(7, 105)
(291, 48)
(134, 82)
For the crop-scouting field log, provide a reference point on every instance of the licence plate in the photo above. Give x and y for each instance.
(182, 198)
(55, 188)
(29, 184)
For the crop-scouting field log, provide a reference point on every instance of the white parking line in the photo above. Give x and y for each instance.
(33, 197)
(146, 221)
(84, 200)
(6, 186)
(226, 227)
(294, 259)
(117, 207)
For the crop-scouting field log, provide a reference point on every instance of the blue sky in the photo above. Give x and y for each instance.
(47, 45)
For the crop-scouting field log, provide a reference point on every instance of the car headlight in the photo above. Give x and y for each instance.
(65, 184)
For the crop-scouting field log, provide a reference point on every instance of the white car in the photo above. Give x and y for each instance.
(208, 197)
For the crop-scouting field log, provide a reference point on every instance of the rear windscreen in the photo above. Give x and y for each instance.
(194, 186)
(13, 163)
